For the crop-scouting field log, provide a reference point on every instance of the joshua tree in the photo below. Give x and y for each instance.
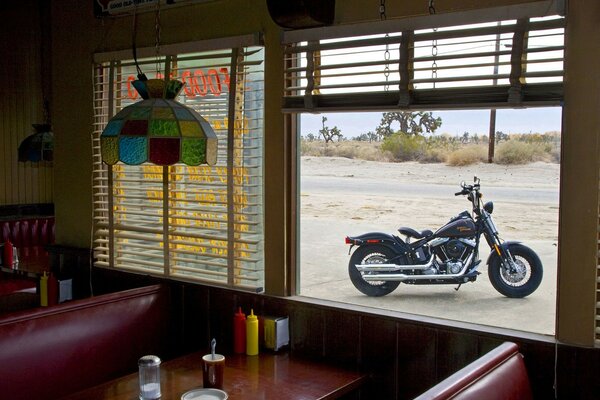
(329, 133)
(411, 123)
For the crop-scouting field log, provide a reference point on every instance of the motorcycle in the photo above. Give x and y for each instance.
(448, 256)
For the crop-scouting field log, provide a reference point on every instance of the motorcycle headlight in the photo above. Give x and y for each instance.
(489, 207)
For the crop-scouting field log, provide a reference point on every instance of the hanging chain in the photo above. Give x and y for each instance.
(431, 7)
(434, 46)
(434, 53)
(386, 54)
(157, 43)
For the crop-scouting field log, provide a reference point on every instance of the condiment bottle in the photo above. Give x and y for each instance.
(8, 254)
(239, 332)
(44, 290)
(52, 290)
(251, 334)
(149, 377)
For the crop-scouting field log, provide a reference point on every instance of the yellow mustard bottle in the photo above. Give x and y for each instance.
(44, 290)
(251, 334)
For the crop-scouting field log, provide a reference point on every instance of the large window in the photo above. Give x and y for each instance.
(493, 65)
(202, 223)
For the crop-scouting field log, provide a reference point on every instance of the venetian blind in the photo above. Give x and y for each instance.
(504, 63)
(190, 223)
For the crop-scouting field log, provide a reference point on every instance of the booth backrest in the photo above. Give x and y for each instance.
(497, 375)
(28, 232)
(51, 352)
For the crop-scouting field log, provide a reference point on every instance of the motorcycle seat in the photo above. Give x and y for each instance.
(410, 232)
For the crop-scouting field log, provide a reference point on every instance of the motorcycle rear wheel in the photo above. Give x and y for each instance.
(525, 280)
(371, 254)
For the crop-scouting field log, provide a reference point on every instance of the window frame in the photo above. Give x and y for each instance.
(234, 149)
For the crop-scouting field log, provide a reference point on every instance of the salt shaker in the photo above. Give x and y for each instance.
(149, 372)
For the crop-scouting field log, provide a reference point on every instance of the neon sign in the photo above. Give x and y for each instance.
(198, 82)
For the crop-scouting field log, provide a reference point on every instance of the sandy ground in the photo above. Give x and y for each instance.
(342, 206)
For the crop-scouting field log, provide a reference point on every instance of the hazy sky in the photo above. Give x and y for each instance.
(534, 120)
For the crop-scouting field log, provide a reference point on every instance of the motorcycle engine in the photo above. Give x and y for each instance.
(453, 254)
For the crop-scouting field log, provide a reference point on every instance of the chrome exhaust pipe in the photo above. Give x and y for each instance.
(403, 277)
(393, 267)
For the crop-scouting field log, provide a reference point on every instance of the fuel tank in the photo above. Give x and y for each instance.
(462, 227)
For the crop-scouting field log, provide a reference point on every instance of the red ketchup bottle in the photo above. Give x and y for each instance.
(7, 258)
(239, 332)
(52, 290)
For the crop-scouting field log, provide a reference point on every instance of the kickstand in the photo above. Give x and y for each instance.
(458, 287)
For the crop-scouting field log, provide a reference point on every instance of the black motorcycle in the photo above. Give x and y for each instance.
(448, 256)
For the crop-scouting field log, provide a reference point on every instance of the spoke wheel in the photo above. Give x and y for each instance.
(371, 255)
(521, 277)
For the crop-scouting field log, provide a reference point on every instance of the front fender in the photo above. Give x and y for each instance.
(393, 242)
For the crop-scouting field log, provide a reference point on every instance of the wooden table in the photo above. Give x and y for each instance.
(265, 376)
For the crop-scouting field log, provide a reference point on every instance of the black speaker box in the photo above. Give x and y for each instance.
(299, 14)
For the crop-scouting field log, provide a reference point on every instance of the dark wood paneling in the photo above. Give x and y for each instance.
(342, 337)
(416, 359)
(403, 357)
(379, 356)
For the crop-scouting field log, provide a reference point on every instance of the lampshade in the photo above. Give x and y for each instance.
(38, 146)
(158, 129)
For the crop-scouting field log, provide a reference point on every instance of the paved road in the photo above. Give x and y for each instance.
(349, 185)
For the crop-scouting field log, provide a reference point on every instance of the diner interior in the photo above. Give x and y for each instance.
(88, 266)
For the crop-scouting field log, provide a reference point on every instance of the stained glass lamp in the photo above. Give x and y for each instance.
(38, 146)
(158, 129)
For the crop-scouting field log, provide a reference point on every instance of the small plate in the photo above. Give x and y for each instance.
(204, 394)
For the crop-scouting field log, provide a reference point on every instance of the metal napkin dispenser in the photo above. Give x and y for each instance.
(276, 332)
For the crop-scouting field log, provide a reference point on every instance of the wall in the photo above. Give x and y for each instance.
(22, 81)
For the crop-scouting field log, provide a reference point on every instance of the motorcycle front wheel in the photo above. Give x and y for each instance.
(371, 254)
(519, 279)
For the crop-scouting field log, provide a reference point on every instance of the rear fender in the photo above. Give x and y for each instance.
(393, 242)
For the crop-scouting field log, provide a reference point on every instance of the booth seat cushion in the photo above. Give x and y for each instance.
(497, 375)
(28, 232)
(52, 352)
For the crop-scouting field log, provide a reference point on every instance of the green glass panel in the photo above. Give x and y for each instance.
(160, 127)
(193, 151)
(140, 113)
(190, 129)
(110, 149)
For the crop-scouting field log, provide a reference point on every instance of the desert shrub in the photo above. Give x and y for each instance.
(404, 147)
(467, 155)
(434, 155)
(520, 152)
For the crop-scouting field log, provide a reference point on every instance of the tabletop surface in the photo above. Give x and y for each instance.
(266, 376)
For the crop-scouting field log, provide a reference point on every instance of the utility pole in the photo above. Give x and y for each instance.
(492, 130)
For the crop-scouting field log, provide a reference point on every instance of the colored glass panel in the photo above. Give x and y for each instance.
(183, 113)
(164, 151)
(113, 128)
(193, 151)
(211, 150)
(138, 112)
(160, 127)
(155, 88)
(124, 113)
(135, 127)
(190, 129)
(162, 113)
(110, 149)
(206, 128)
(133, 150)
